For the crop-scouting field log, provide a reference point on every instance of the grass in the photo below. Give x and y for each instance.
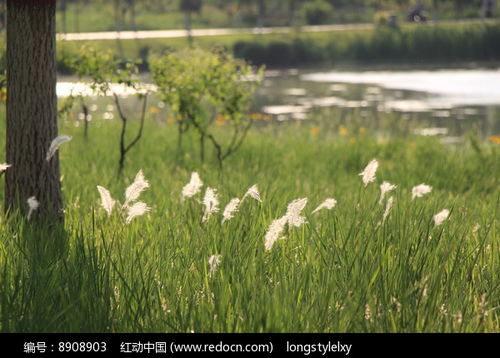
(341, 272)
(446, 42)
(100, 16)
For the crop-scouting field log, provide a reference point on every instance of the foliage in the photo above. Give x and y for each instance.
(105, 72)
(206, 89)
(317, 12)
(100, 15)
(384, 44)
(190, 5)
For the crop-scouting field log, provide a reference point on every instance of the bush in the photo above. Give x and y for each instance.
(317, 12)
(385, 44)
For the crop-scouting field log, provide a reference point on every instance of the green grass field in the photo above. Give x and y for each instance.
(340, 272)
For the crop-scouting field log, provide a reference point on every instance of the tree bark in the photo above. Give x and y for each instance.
(32, 108)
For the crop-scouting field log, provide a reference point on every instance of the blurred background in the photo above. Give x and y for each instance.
(427, 67)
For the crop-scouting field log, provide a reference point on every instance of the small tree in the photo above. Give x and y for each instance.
(105, 72)
(188, 7)
(203, 87)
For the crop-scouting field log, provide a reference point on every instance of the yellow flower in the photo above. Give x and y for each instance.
(343, 130)
(383, 139)
(362, 130)
(3, 95)
(495, 139)
(352, 140)
(219, 122)
(154, 110)
(315, 130)
(256, 116)
(170, 120)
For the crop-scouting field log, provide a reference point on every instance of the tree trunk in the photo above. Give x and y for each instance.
(187, 26)
(261, 14)
(64, 8)
(32, 108)
(132, 15)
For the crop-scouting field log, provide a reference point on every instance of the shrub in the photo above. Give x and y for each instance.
(206, 89)
(317, 12)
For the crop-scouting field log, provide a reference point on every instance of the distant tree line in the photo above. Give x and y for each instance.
(253, 12)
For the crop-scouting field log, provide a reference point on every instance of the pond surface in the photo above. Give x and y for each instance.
(447, 103)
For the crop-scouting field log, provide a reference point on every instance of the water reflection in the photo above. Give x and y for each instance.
(446, 103)
(454, 101)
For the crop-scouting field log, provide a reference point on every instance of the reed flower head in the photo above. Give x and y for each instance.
(385, 188)
(193, 187)
(440, 217)
(420, 190)
(55, 144)
(136, 188)
(33, 205)
(327, 204)
(107, 201)
(136, 210)
(388, 207)
(368, 175)
(230, 209)
(213, 262)
(211, 203)
(293, 212)
(275, 231)
(3, 167)
(253, 192)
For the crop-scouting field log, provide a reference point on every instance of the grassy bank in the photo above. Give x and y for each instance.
(447, 42)
(345, 270)
(443, 43)
(154, 15)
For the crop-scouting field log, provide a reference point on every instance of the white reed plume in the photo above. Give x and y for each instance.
(369, 173)
(211, 203)
(3, 167)
(107, 201)
(293, 212)
(440, 217)
(420, 190)
(54, 146)
(388, 207)
(385, 187)
(275, 231)
(193, 187)
(136, 188)
(327, 204)
(213, 262)
(135, 210)
(253, 192)
(230, 209)
(33, 205)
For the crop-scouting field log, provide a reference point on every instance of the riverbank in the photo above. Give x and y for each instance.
(445, 43)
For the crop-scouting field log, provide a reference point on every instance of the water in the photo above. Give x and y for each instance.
(447, 103)
(442, 102)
